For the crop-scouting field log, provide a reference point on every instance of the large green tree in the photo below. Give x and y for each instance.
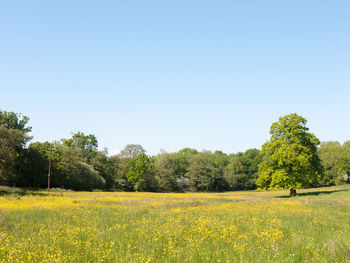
(290, 159)
(87, 144)
(14, 131)
(16, 121)
(10, 141)
(140, 173)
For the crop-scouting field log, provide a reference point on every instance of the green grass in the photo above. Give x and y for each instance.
(144, 227)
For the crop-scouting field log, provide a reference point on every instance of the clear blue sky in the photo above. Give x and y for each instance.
(173, 74)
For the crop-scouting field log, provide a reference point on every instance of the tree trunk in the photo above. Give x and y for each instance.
(292, 192)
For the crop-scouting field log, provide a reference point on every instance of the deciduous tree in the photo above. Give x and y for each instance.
(290, 157)
(132, 150)
(87, 144)
(140, 173)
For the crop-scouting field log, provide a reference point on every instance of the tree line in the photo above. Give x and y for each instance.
(292, 158)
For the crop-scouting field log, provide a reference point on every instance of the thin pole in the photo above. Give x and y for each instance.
(48, 178)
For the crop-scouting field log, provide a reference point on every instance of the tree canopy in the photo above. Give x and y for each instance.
(12, 120)
(132, 150)
(290, 159)
(336, 162)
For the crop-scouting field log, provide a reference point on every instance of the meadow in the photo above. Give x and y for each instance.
(249, 226)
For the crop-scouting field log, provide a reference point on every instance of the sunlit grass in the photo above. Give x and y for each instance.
(147, 227)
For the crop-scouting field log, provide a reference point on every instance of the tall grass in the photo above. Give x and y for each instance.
(146, 227)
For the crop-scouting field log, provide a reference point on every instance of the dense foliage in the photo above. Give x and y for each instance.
(336, 162)
(290, 157)
(78, 164)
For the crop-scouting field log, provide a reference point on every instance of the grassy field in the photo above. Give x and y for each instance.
(149, 227)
